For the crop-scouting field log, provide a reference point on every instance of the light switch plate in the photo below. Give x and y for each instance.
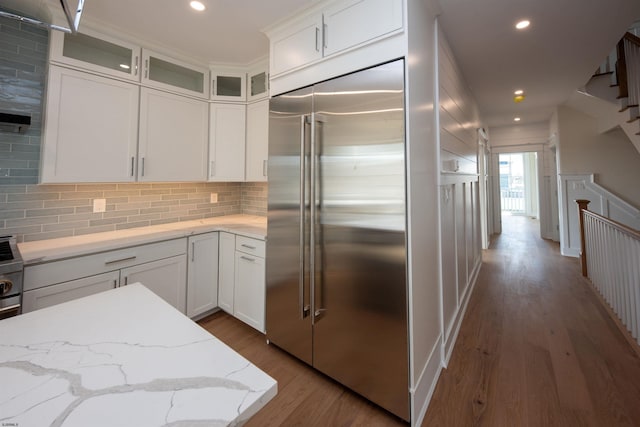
(99, 205)
(214, 198)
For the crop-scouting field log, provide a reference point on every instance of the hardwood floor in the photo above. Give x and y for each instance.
(535, 349)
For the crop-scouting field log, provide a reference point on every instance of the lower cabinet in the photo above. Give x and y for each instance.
(165, 277)
(202, 274)
(241, 290)
(67, 291)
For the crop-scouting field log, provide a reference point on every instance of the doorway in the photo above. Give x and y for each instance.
(518, 177)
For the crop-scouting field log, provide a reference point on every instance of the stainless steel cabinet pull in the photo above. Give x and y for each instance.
(146, 68)
(325, 35)
(115, 283)
(135, 66)
(193, 251)
(120, 260)
(143, 166)
(248, 259)
(317, 38)
(126, 280)
(132, 165)
(264, 168)
(212, 169)
(213, 87)
(247, 246)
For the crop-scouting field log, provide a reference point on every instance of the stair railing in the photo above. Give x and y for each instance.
(610, 258)
(628, 68)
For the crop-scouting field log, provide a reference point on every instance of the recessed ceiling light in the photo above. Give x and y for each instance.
(521, 25)
(518, 92)
(196, 5)
(516, 119)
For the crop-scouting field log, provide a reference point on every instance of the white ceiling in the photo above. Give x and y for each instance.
(556, 55)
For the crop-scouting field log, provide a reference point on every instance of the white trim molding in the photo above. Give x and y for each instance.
(603, 202)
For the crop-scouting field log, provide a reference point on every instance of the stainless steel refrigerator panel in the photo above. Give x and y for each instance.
(360, 297)
(288, 319)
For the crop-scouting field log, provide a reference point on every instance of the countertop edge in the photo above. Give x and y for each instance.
(44, 251)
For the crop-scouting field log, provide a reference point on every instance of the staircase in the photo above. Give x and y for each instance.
(613, 93)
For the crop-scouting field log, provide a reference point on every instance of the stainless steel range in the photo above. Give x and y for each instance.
(11, 268)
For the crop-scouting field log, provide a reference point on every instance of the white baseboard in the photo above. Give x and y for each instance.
(426, 385)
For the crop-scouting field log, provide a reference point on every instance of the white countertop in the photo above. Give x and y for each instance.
(123, 357)
(67, 247)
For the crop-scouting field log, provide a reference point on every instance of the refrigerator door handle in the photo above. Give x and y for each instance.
(305, 307)
(316, 229)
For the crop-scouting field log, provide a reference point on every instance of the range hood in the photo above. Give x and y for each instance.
(17, 123)
(36, 12)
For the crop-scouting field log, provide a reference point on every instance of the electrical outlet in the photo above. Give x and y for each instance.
(99, 205)
(213, 198)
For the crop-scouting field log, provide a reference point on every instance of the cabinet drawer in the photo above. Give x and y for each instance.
(37, 276)
(250, 246)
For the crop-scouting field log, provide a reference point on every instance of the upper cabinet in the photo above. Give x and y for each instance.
(331, 28)
(258, 83)
(227, 127)
(173, 137)
(166, 73)
(257, 147)
(91, 128)
(228, 85)
(98, 53)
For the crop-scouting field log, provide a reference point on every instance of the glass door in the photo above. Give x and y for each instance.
(167, 73)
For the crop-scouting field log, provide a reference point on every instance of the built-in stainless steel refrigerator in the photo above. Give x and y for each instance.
(336, 247)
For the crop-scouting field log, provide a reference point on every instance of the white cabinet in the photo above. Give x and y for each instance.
(159, 266)
(202, 274)
(91, 128)
(226, 142)
(241, 284)
(226, 275)
(173, 137)
(165, 277)
(249, 297)
(169, 74)
(258, 83)
(51, 295)
(228, 85)
(352, 22)
(331, 29)
(257, 141)
(98, 53)
(296, 44)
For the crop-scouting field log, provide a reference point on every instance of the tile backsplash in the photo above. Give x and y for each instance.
(37, 212)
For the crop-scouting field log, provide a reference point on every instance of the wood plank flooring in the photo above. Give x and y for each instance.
(535, 349)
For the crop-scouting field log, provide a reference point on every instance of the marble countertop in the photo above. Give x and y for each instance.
(123, 357)
(67, 247)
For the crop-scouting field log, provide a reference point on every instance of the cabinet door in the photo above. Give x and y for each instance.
(91, 128)
(173, 137)
(170, 74)
(202, 274)
(227, 142)
(67, 291)
(226, 275)
(249, 298)
(167, 278)
(258, 83)
(228, 86)
(297, 45)
(257, 141)
(352, 22)
(96, 52)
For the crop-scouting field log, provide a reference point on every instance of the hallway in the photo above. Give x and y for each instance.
(536, 348)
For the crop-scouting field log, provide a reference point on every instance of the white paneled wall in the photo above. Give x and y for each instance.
(460, 248)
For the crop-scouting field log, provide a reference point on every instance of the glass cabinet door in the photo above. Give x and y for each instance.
(167, 73)
(228, 86)
(257, 84)
(96, 53)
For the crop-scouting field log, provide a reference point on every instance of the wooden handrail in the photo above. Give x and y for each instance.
(582, 208)
(615, 224)
(621, 64)
(632, 38)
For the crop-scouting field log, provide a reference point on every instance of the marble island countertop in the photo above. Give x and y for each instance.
(67, 247)
(123, 357)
